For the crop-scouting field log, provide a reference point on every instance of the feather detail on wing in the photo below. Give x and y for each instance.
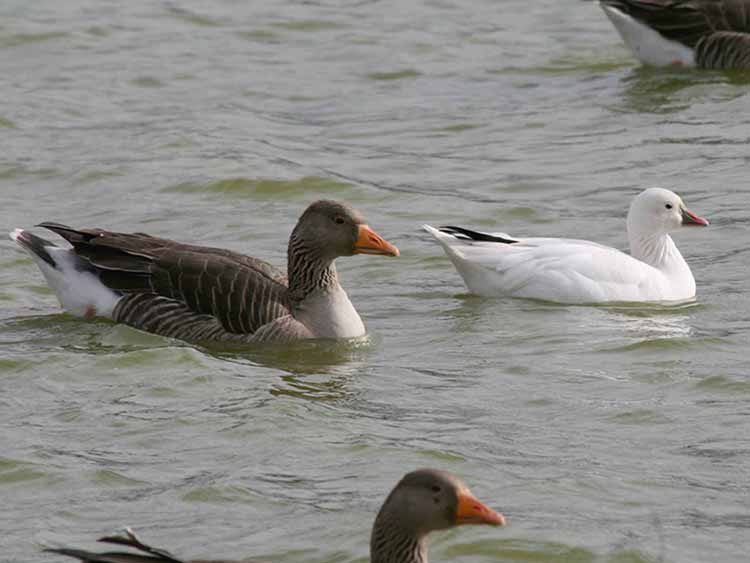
(565, 270)
(241, 293)
(556, 269)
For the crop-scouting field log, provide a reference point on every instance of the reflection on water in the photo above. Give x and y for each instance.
(217, 125)
(317, 370)
(301, 357)
(314, 388)
(655, 321)
(660, 91)
(626, 320)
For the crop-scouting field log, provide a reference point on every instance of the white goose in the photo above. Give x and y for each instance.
(580, 271)
(712, 34)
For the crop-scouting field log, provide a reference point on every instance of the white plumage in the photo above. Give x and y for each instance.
(648, 46)
(79, 291)
(581, 271)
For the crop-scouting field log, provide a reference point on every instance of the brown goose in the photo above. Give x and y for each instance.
(423, 501)
(712, 34)
(203, 294)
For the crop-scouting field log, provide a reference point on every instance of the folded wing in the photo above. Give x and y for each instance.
(170, 288)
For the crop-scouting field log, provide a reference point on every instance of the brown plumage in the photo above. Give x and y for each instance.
(717, 30)
(204, 294)
(423, 501)
(152, 271)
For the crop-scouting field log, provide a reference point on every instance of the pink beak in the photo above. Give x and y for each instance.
(690, 219)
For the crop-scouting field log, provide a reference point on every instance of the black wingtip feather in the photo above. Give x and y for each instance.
(73, 236)
(460, 232)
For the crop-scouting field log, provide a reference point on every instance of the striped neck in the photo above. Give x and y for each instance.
(308, 271)
(393, 543)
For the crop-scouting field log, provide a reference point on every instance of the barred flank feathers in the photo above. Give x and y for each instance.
(724, 50)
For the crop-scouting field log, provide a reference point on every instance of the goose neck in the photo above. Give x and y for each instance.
(658, 250)
(308, 271)
(391, 543)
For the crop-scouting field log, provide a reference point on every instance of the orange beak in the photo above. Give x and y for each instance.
(472, 511)
(370, 242)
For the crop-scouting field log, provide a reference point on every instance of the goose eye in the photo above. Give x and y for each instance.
(435, 488)
(339, 220)
(668, 206)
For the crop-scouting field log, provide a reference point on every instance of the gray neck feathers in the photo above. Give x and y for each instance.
(307, 270)
(391, 542)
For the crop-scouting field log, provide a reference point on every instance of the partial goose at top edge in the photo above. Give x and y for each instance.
(203, 295)
(710, 34)
(580, 271)
(423, 501)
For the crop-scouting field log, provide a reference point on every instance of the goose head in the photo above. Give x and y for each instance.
(657, 211)
(424, 501)
(329, 229)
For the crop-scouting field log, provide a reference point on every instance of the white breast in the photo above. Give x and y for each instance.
(330, 314)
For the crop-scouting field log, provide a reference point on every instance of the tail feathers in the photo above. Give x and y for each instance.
(96, 246)
(653, 41)
(34, 244)
(73, 278)
(467, 234)
(684, 22)
(129, 539)
(48, 252)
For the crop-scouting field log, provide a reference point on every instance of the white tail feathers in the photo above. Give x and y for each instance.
(80, 292)
(646, 44)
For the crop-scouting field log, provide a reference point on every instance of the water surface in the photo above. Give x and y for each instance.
(605, 434)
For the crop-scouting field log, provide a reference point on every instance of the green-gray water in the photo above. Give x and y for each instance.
(605, 434)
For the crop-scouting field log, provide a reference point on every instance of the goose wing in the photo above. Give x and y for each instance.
(570, 270)
(167, 284)
(554, 269)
